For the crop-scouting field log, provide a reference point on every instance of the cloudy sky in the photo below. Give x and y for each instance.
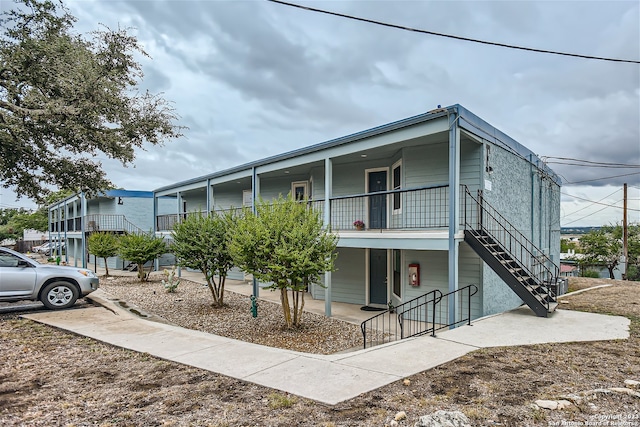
(254, 78)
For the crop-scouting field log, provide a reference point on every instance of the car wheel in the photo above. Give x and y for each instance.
(59, 295)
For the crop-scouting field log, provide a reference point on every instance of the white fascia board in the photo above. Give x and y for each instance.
(418, 240)
(193, 186)
(231, 177)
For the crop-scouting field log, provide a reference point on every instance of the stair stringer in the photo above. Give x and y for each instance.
(515, 283)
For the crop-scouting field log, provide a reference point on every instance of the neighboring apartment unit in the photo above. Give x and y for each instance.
(73, 219)
(446, 199)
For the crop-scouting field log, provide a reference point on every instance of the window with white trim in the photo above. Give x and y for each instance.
(396, 184)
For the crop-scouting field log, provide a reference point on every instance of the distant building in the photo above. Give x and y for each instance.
(73, 219)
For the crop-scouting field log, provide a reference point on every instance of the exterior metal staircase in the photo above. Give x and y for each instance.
(515, 259)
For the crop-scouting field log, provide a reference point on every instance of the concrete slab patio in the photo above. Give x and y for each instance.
(326, 378)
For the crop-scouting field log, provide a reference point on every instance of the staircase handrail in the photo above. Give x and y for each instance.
(115, 222)
(411, 311)
(381, 316)
(517, 237)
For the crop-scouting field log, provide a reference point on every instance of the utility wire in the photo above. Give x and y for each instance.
(590, 162)
(588, 206)
(601, 179)
(598, 203)
(586, 216)
(451, 36)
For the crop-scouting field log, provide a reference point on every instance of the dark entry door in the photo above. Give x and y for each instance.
(378, 204)
(378, 276)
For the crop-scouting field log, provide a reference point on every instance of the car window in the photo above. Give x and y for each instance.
(8, 260)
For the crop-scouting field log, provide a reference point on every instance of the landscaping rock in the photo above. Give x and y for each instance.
(400, 416)
(444, 419)
(632, 384)
(547, 404)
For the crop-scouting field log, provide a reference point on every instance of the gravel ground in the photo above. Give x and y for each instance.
(49, 377)
(191, 307)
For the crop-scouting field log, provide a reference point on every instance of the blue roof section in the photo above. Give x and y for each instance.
(109, 193)
(469, 121)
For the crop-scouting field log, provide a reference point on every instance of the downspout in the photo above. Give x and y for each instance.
(540, 245)
(454, 208)
(533, 205)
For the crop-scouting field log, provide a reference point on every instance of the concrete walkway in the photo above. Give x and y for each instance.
(334, 378)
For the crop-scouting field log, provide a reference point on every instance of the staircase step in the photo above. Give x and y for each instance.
(552, 307)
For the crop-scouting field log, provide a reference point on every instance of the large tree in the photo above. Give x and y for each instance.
(604, 247)
(285, 244)
(65, 98)
(201, 242)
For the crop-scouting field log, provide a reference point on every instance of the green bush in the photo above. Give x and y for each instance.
(590, 273)
(633, 273)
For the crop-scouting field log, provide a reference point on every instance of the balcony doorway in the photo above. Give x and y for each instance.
(377, 181)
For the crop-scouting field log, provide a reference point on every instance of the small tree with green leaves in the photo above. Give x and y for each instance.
(201, 242)
(602, 247)
(103, 245)
(140, 249)
(284, 243)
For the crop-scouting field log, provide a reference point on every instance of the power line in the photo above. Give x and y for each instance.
(587, 216)
(599, 203)
(451, 36)
(588, 206)
(603, 178)
(590, 162)
(587, 165)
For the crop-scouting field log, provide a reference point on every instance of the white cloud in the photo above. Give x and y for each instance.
(253, 79)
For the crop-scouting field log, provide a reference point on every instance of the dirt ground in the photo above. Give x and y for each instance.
(50, 377)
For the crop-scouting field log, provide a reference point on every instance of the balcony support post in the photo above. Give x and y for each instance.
(454, 209)
(255, 192)
(178, 203)
(83, 215)
(328, 184)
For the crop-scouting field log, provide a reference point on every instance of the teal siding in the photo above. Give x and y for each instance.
(470, 273)
(470, 164)
(227, 199)
(348, 282)
(195, 203)
(272, 188)
(426, 165)
(434, 275)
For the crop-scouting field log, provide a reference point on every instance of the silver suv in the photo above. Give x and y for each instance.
(22, 278)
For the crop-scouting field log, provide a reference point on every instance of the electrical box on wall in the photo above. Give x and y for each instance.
(414, 274)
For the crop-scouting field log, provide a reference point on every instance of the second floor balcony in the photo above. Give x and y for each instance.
(424, 208)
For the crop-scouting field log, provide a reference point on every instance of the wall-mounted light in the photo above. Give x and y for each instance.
(363, 155)
(120, 201)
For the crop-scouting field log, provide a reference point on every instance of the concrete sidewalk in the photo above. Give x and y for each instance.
(334, 378)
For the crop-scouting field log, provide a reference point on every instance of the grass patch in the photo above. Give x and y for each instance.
(280, 401)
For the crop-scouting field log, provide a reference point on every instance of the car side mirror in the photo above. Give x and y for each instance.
(23, 263)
